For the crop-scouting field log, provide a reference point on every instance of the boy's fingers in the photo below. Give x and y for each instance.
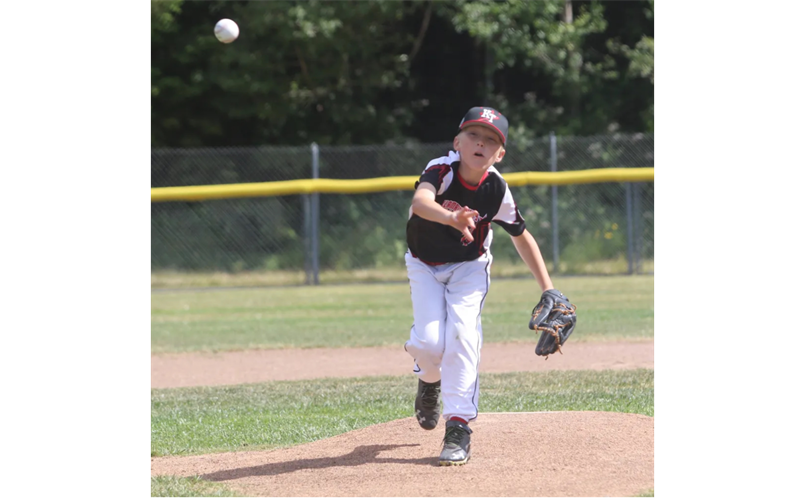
(466, 219)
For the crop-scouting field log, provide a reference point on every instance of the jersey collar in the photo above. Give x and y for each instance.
(467, 184)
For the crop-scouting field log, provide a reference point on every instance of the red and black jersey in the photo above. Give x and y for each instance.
(436, 243)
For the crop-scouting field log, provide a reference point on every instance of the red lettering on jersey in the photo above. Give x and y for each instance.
(451, 205)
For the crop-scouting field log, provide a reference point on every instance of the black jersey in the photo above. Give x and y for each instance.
(436, 243)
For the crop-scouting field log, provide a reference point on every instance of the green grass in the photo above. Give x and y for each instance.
(191, 421)
(171, 486)
(609, 308)
(275, 414)
(649, 493)
(501, 269)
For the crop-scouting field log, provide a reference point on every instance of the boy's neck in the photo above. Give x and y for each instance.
(470, 176)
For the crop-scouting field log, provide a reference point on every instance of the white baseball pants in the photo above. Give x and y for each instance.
(446, 336)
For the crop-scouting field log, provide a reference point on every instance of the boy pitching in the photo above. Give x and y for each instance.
(448, 260)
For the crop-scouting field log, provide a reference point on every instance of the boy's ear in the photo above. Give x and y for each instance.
(455, 143)
(501, 155)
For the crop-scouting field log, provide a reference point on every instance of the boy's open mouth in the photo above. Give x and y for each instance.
(479, 154)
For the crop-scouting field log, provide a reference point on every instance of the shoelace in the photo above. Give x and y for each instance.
(430, 396)
(454, 435)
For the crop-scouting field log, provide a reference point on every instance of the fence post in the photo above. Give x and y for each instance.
(554, 208)
(629, 229)
(638, 231)
(314, 209)
(307, 238)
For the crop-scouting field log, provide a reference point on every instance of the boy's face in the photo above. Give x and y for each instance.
(480, 147)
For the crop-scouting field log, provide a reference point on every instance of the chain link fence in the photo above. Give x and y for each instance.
(605, 228)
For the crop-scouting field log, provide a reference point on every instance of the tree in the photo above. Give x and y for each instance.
(539, 42)
(323, 71)
(641, 62)
(371, 72)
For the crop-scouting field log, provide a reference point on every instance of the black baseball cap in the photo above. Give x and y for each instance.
(487, 117)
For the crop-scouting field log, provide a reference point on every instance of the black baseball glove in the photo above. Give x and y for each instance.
(554, 319)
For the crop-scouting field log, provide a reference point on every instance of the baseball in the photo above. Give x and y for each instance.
(226, 30)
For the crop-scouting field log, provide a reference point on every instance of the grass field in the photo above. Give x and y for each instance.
(609, 308)
(501, 269)
(268, 415)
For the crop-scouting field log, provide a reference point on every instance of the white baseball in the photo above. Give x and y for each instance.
(226, 30)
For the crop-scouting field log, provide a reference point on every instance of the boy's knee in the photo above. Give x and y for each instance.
(428, 338)
(425, 347)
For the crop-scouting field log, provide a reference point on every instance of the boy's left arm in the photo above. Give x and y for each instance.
(528, 249)
(554, 317)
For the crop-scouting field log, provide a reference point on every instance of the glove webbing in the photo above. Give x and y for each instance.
(555, 330)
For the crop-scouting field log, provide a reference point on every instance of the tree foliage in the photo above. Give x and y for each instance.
(379, 71)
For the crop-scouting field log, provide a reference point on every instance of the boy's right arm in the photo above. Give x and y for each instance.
(424, 205)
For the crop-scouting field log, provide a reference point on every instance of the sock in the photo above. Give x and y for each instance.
(460, 420)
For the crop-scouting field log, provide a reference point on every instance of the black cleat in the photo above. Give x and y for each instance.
(427, 404)
(456, 449)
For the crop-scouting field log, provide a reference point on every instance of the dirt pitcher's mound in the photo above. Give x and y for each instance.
(586, 454)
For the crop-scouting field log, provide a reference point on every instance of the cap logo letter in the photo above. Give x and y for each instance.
(489, 115)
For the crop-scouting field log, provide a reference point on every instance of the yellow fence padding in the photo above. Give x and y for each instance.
(380, 184)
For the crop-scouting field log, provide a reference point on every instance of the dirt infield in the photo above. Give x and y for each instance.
(548, 454)
(243, 367)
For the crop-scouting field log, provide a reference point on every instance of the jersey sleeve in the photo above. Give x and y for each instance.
(508, 216)
(436, 175)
